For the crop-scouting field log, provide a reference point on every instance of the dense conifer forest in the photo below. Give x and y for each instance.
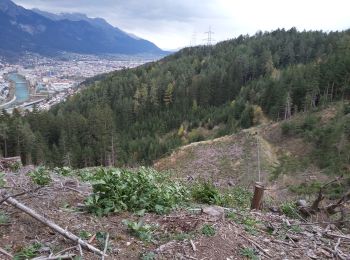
(135, 116)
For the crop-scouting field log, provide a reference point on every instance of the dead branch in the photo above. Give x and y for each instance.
(193, 245)
(256, 244)
(331, 208)
(320, 197)
(4, 252)
(338, 236)
(5, 197)
(106, 246)
(53, 226)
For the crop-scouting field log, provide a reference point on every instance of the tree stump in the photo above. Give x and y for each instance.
(258, 197)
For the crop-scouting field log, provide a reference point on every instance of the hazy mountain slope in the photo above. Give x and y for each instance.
(25, 30)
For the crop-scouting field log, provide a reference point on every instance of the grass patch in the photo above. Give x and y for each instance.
(28, 252)
(249, 253)
(208, 230)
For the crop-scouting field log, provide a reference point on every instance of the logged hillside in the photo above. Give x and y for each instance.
(296, 156)
(138, 115)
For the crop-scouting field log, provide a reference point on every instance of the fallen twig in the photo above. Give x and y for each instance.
(92, 238)
(106, 246)
(257, 245)
(193, 245)
(66, 250)
(5, 197)
(80, 250)
(338, 236)
(4, 252)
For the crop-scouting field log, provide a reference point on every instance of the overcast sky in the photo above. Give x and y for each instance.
(172, 24)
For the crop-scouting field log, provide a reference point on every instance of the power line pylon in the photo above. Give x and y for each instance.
(209, 39)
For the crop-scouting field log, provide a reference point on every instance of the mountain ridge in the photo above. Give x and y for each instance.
(26, 30)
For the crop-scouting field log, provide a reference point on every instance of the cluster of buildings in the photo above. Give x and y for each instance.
(52, 79)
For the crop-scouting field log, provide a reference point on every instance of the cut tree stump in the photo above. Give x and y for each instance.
(258, 197)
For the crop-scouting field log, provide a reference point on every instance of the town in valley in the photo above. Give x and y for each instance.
(45, 81)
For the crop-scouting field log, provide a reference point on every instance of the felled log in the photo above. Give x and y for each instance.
(53, 226)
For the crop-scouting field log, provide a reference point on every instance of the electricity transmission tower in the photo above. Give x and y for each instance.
(193, 40)
(209, 39)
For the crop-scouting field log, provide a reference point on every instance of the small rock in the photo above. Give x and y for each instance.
(128, 243)
(301, 203)
(214, 211)
(44, 250)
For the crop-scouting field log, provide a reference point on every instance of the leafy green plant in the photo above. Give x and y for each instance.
(237, 197)
(139, 229)
(4, 219)
(206, 193)
(84, 234)
(41, 176)
(249, 253)
(290, 210)
(208, 230)
(28, 252)
(65, 171)
(116, 190)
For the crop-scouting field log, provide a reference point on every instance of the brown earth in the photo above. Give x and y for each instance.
(177, 235)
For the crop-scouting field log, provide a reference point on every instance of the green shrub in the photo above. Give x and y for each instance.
(65, 171)
(290, 210)
(289, 128)
(41, 176)
(237, 197)
(310, 122)
(116, 190)
(206, 193)
(195, 136)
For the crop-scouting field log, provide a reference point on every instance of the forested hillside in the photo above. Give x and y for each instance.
(138, 115)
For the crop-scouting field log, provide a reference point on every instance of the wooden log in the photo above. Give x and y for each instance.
(4, 252)
(53, 226)
(258, 197)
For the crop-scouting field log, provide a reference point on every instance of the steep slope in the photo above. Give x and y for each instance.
(26, 30)
(289, 162)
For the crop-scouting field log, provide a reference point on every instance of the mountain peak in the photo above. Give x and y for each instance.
(6, 5)
(48, 33)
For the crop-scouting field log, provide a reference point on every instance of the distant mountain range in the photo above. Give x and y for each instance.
(46, 33)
